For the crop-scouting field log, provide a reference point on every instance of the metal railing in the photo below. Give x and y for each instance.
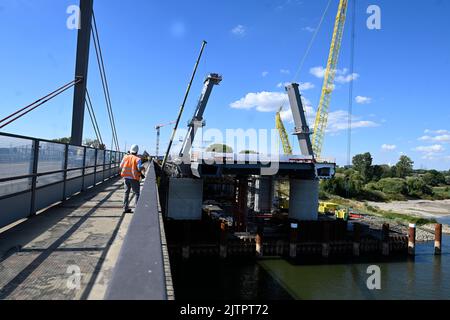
(142, 271)
(37, 173)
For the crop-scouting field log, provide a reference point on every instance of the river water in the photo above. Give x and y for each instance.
(424, 277)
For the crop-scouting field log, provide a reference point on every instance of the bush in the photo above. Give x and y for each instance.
(418, 188)
(393, 186)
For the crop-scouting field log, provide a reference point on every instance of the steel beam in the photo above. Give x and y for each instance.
(81, 71)
(301, 125)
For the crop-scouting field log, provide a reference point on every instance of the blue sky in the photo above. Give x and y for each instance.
(150, 48)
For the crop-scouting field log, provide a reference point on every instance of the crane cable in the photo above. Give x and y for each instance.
(350, 95)
(91, 111)
(102, 70)
(308, 50)
(311, 43)
(24, 111)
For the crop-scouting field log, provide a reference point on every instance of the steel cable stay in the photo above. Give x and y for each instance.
(104, 80)
(24, 111)
(91, 111)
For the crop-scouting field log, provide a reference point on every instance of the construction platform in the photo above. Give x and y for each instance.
(68, 251)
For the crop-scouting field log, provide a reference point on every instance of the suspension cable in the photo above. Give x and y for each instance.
(24, 111)
(102, 70)
(316, 32)
(90, 108)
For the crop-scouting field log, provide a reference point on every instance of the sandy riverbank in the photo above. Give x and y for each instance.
(421, 208)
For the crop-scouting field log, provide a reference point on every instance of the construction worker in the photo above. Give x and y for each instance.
(131, 170)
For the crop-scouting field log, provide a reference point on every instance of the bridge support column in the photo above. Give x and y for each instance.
(81, 71)
(304, 200)
(412, 240)
(259, 241)
(223, 247)
(438, 240)
(293, 240)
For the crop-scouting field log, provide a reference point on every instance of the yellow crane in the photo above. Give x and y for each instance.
(283, 133)
(328, 84)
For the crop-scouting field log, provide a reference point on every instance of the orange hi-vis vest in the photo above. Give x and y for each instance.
(129, 167)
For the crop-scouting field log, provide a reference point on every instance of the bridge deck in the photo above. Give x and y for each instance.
(39, 257)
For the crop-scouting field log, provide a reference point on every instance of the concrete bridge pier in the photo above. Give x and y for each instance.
(304, 200)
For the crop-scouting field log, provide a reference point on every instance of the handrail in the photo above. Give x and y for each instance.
(140, 271)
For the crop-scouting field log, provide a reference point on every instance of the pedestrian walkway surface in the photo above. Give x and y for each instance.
(67, 252)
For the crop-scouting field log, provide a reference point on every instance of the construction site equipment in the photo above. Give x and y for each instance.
(287, 149)
(197, 121)
(328, 207)
(166, 157)
(158, 134)
(328, 84)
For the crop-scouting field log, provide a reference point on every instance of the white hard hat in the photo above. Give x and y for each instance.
(134, 149)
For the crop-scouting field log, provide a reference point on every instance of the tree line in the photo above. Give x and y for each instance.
(366, 181)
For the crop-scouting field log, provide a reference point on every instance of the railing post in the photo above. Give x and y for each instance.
(95, 167)
(66, 164)
(34, 179)
(104, 164)
(84, 169)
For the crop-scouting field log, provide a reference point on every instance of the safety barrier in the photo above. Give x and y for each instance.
(37, 173)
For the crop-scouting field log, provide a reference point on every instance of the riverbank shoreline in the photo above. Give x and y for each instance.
(426, 209)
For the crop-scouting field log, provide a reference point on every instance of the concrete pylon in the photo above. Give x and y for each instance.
(304, 200)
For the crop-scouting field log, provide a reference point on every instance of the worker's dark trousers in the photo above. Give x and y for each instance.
(131, 185)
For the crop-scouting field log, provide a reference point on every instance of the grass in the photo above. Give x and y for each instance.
(442, 193)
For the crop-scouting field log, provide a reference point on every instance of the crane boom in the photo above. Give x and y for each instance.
(328, 84)
(283, 134)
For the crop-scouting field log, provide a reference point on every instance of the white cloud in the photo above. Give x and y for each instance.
(303, 86)
(363, 100)
(388, 147)
(442, 138)
(265, 74)
(239, 30)
(342, 75)
(309, 29)
(272, 101)
(318, 72)
(437, 131)
(338, 121)
(285, 71)
(261, 101)
(347, 78)
(430, 149)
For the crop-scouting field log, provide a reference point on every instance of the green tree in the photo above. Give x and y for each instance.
(434, 178)
(404, 167)
(248, 152)
(219, 148)
(417, 187)
(62, 140)
(94, 144)
(381, 172)
(393, 186)
(363, 164)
